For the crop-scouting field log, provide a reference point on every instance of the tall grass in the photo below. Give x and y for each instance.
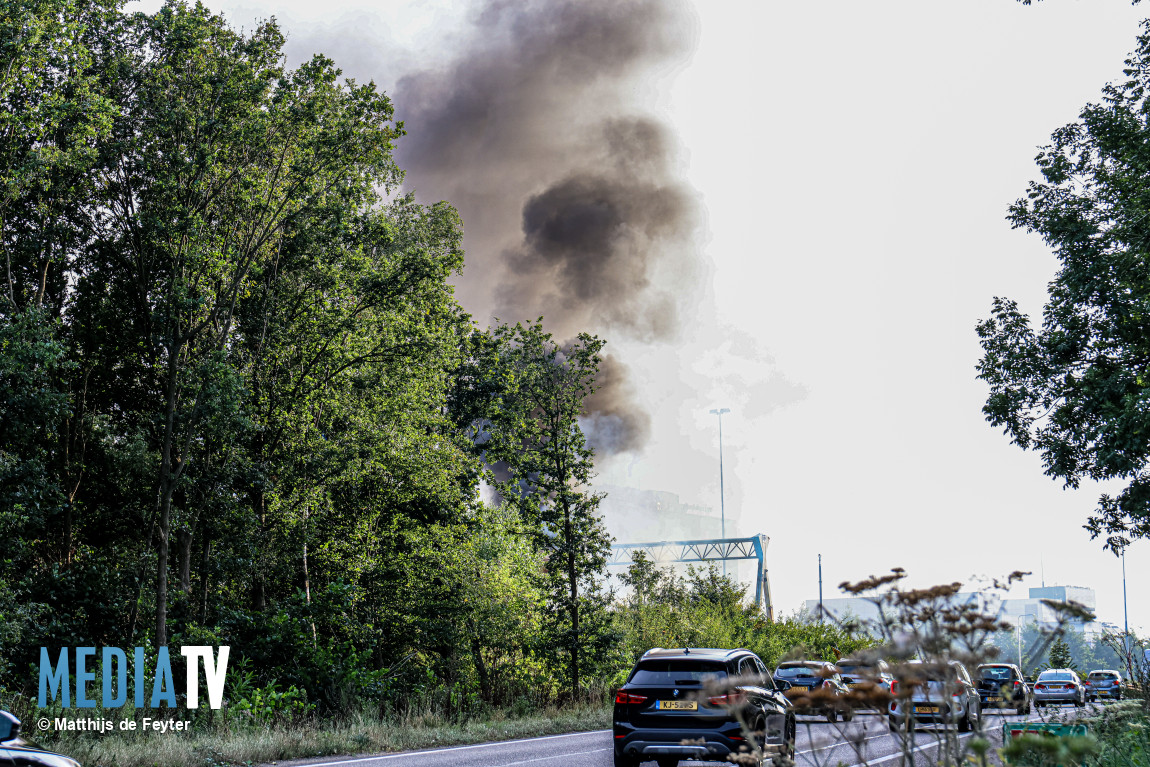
(359, 733)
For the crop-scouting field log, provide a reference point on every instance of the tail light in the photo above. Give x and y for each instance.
(730, 699)
(894, 687)
(1087, 682)
(1017, 683)
(1040, 687)
(828, 683)
(626, 698)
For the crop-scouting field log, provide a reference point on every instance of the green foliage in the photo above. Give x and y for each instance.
(267, 705)
(706, 609)
(1036, 645)
(1074, 390)
(1060, 656)
(1048, 751)
(237, 393)
(1123, 733)
(531, 427)
(32, 413)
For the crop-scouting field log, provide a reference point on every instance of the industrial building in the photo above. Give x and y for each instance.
(1026, 611)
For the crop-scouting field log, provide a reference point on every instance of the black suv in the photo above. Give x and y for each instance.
(1001, 685)
(686, 704)
(17, 752)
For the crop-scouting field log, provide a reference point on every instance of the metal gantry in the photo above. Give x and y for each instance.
(706, 550)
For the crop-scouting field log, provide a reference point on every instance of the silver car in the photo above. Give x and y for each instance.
(1059, 685)
(1104, 683)
(935, 693)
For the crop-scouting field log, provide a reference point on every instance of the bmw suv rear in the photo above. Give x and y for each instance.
(686, 704)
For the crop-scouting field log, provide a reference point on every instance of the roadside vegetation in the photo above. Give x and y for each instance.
(243, 742)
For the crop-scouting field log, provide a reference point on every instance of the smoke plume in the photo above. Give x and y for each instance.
(542, 131)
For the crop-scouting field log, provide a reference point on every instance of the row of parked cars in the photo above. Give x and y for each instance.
(700, 703)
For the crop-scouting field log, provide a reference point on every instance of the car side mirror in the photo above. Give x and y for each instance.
(9, 726)
(782, 685)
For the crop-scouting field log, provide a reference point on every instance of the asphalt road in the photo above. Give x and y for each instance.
(863, 742)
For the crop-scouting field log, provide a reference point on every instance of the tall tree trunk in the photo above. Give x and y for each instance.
(306, 579)
(259, 596)
(573, 595)
(205, 578)
(184, 541)
(164, 499)
(480, 664)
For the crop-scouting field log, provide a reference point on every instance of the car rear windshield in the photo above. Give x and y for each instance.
(854, 668)
(1103, 675)
(996, 672)
(1047, 676)
(677, 671)
(787, 672)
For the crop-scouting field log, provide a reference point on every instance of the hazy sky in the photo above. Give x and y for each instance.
(814, 223)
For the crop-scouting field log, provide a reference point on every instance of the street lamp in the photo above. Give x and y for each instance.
(1125, 620)
(722, 499)
(1018, 628)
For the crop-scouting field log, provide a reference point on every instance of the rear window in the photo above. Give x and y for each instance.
(996, 672)
(854, 668)
(677, 671)
(1048, 676)
(790, 672)
(1103, 675)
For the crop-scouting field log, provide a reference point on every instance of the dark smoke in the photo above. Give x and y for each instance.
(541, 132)
(614, 423)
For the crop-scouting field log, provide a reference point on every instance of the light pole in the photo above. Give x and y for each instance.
(1125, 620)
(1018, 627)
(820, 588)
(722, 499)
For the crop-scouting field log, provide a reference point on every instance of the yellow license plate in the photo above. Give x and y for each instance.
(677, 705)
(994, 700)
(926, 709)
(799, 688)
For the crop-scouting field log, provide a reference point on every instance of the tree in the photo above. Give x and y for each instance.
(533, 428)
(351, 319)
(32, 411)
(53, 117)
(216, 149)
(1060, 656)
(1077, 390)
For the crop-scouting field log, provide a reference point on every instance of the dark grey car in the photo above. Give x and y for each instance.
(935, 693)
(866, 677)
(816, 689)
(1104, 683)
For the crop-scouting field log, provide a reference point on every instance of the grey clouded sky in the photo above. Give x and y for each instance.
(813, 200)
